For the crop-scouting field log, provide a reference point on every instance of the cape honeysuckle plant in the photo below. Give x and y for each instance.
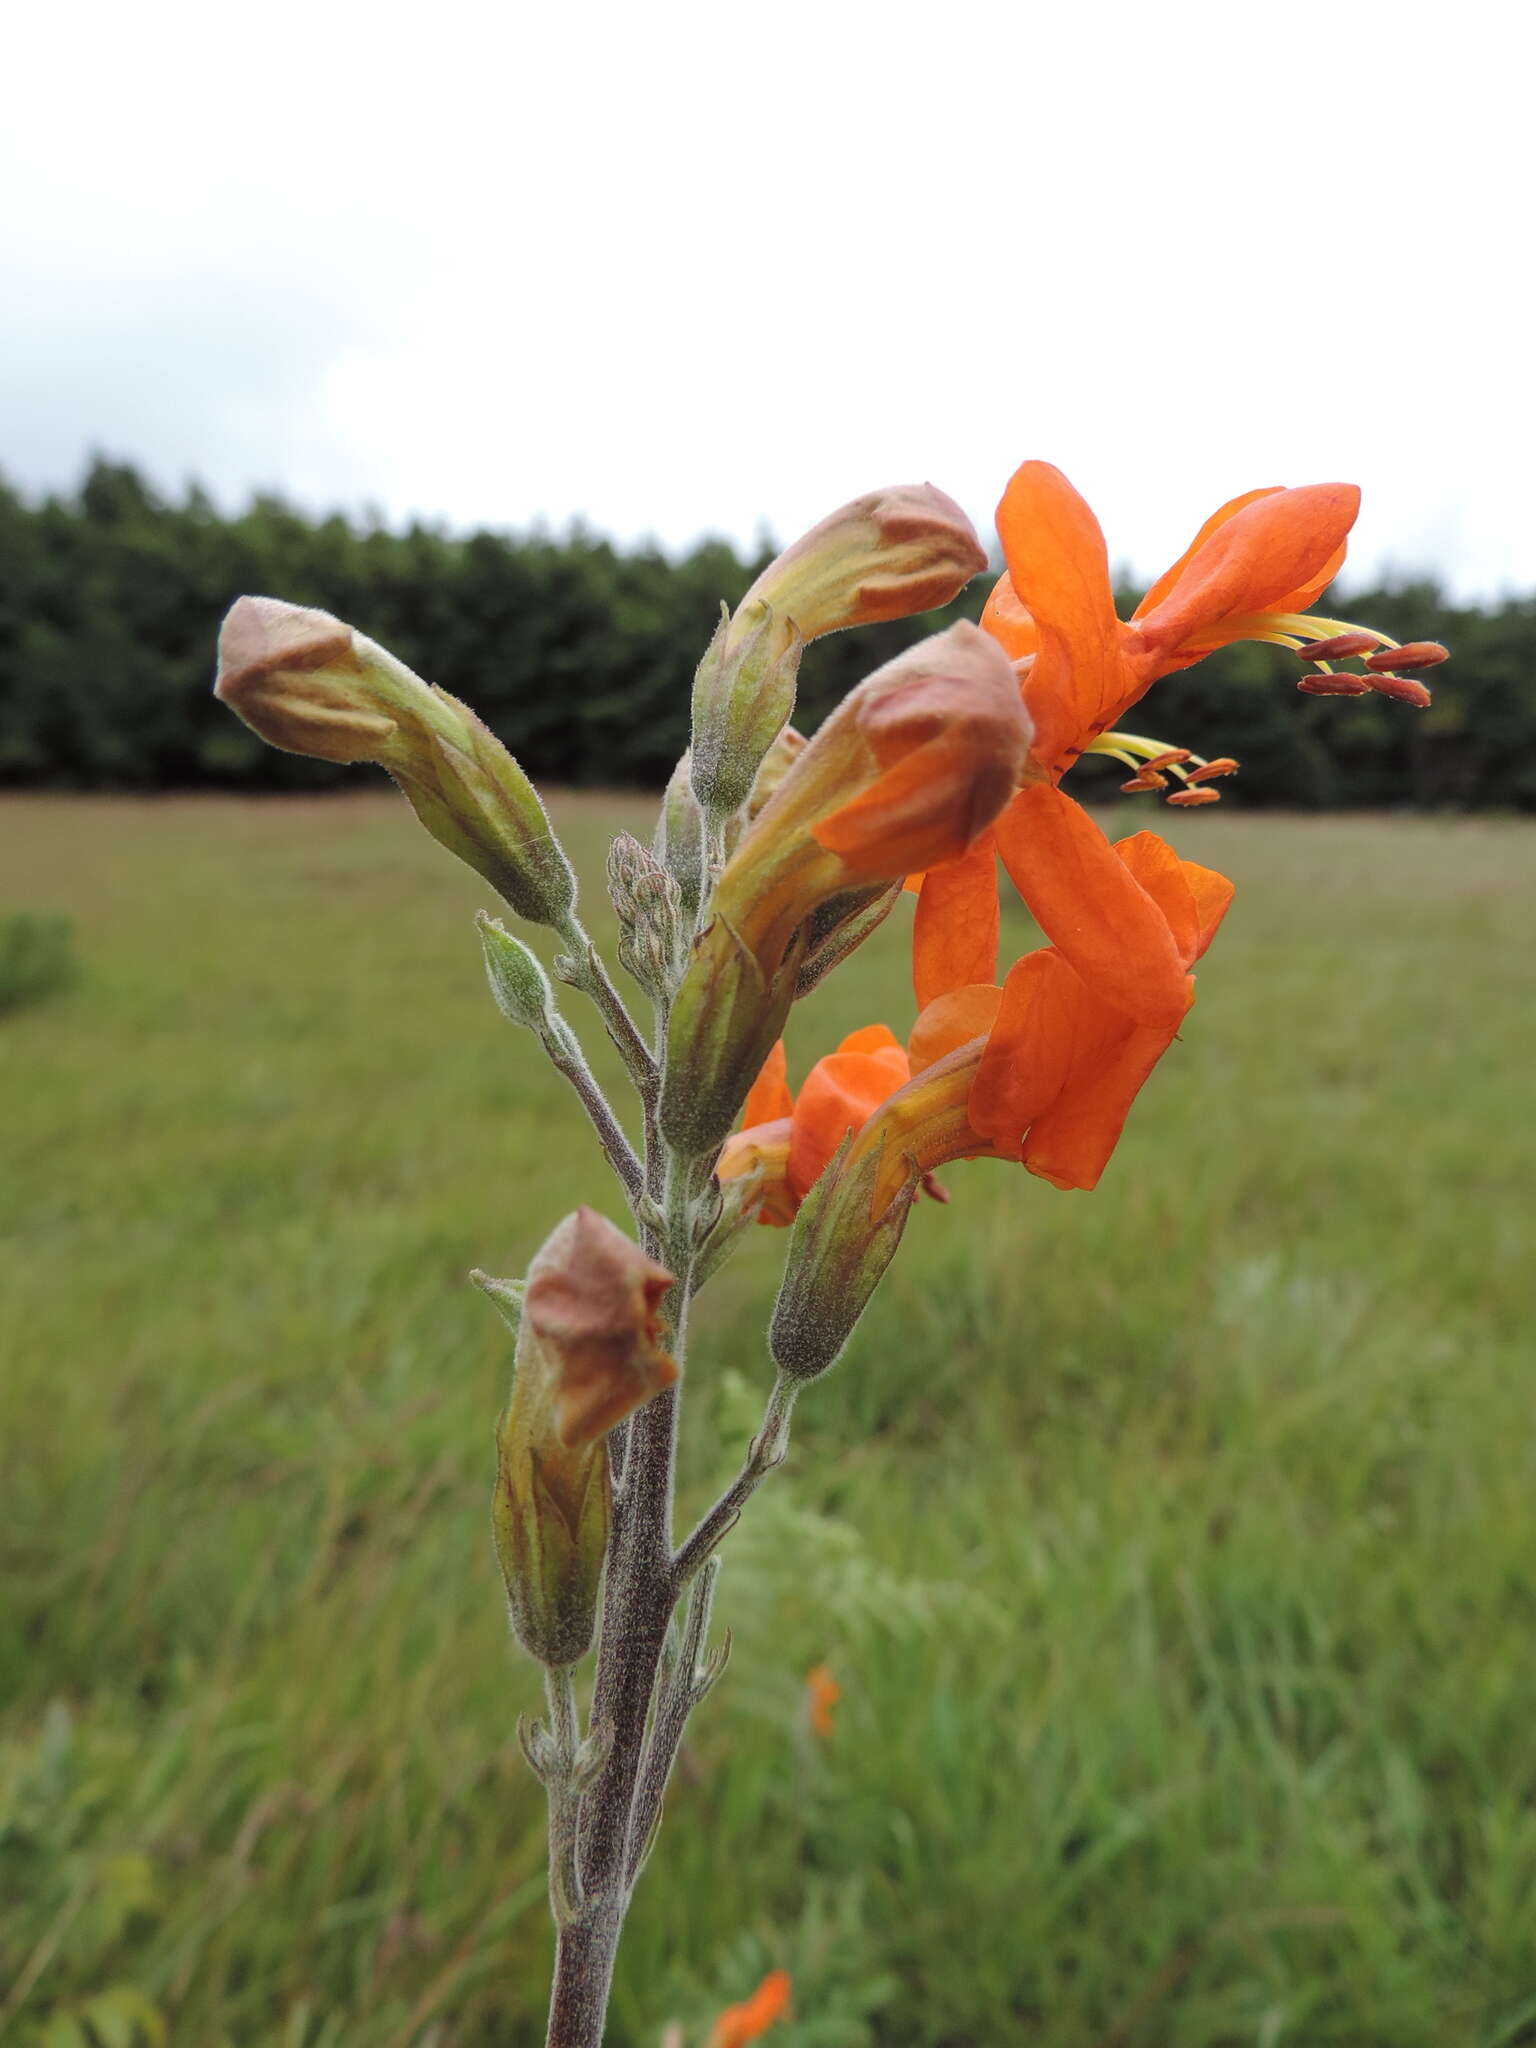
(774, 858)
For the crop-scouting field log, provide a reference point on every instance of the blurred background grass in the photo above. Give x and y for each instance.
(1172, 1545)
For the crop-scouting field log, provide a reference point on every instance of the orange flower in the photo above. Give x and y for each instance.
(822, 1693)
(1042, 1071)
(1061, 1065)
(750, 2020)
(1249, 574)
(909, 768)
(789, 1141)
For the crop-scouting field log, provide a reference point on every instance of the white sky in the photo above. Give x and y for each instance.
(679, 268)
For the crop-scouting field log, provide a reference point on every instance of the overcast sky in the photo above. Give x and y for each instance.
(681, 268)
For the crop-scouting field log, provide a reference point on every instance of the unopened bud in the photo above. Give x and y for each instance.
(587, 1355)
(308, 684)
(594, 1302)
(743, 694)
(883, 556)
(908, 771)
(648, 905)
(839, 1249)
(518, 983)
(679, 840)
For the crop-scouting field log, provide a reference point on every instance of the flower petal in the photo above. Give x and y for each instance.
(769, 1098)
(950, 1021)
(1273, 547)
(1219, 517)
(841, 1092)
(1091, 907)
(1192, 898)
(1030, 1049)
(1070, 1145)
(954, 936)
(1058, 570)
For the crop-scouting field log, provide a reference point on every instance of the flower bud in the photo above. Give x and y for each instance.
(308, 684)
(587, 1355)
(743, 694)
(679, 840)
(594, 1302)
(839, 1249)
(649, 909)
(909, 769)
(883, 556)
(518, 983)
(851, 1222)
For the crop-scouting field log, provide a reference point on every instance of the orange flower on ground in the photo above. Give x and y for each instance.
(787, 1140)
(1249, 574)
(822, 1693)
(752, 2018)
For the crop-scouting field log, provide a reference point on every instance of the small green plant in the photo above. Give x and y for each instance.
(37, 957)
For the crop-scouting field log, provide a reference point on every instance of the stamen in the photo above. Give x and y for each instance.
(1145, 780)
(1194, 796)
(1401, 689)
(1341, 646)
(1170, 758)
(1224, 766)
(1330, 684)
(1416, 654)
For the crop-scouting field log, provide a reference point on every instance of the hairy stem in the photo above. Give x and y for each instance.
(767, 1450)
(588, 973)
(566, 1055)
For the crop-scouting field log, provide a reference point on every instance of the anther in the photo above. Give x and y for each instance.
(1146, 779)
(1416, 654)
(1168, 759)
(1402, 690)
(1191, 797)
(1224, 766)
(1334, 686)
(1340, 646)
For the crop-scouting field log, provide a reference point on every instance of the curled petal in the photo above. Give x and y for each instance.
(1276, 547)
(1089, 904)
(950, 1021)
(954, 937)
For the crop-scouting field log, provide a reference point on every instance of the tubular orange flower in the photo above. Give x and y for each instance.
(1042, 1071)
(1249, 574)
(1062, 1066)
(906, 772)
(750, 2020)
(789, 1141)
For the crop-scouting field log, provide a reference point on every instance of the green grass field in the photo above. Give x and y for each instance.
(1174, 1546)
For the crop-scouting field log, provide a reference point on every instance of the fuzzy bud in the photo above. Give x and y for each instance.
(679, 840)
(909, 769)
(743, 694)
(518, 983)
(587, 1355)
(308, 684)
(839, 1249)
(649, 909)
(883, 556)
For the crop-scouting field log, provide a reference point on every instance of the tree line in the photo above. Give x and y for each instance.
(580, 655)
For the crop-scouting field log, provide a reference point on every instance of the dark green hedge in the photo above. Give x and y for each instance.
(581, 654)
